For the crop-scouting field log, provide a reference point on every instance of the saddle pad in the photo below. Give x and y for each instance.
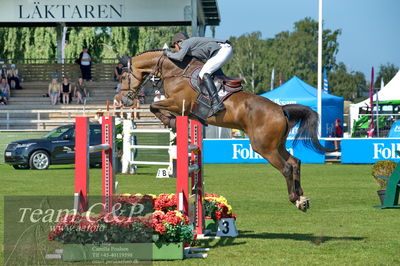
(224, 91)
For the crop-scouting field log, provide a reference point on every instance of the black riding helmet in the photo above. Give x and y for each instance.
(180, 36)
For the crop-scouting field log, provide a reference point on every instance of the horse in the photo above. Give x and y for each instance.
(266, 123)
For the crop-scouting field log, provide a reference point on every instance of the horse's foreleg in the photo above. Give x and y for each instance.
(160, 110)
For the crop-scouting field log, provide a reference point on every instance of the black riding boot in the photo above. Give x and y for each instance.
(216, 104)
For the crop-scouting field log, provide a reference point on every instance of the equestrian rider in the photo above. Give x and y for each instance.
(214, 53)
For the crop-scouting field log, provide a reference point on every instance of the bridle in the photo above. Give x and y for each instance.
(157, 71)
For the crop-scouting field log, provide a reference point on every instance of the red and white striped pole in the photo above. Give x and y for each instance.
(192, 166)
(82, 151)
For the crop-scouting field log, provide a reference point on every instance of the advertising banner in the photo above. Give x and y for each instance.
(240, 151)
(366, 150)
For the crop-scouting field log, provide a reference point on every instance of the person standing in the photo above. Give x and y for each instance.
(337, 132)
(85, 60)
(214, 53)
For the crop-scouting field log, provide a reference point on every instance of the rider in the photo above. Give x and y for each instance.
(214, 53)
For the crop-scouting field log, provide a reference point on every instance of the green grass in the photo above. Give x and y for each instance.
(341, 228)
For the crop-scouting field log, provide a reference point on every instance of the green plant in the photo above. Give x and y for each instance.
(119, 139)
(381, 169)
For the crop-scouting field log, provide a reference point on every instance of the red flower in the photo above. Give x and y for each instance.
(160, 228)
(172, 219)
(223, 208)
(218, 215)
(51, 236)
(88, 225)
(58, 229)
(165, 202)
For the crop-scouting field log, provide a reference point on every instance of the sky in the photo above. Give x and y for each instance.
(370, 28)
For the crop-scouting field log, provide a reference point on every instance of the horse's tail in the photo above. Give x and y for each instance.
(308, 129)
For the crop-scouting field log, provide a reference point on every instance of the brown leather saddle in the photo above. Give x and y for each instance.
(226, 87)
(228, 81)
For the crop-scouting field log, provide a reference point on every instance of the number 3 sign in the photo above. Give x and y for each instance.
(227, 227)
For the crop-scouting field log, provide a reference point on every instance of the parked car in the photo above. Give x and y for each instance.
(56, 147)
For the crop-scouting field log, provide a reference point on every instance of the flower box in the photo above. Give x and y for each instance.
(124, 251)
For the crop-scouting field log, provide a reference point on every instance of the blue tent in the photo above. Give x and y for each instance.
(296, 91)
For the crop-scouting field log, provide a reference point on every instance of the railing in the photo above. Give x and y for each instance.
(43, 69)
(54, 61)
(382, 128)
(42, 122)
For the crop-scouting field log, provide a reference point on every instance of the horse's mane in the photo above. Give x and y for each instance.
(124, 60)
(149, 51)
(181, 65)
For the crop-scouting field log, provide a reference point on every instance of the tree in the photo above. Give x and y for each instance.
(150, 38)
(296, 53)
(386, 72)
(291, 53)
(350, 86)
(247, 62)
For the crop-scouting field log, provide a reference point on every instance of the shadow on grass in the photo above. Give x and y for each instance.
(222, 242)
(317, 240)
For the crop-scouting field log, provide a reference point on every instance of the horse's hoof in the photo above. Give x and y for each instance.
(303, 203)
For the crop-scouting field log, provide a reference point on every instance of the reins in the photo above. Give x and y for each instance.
(156, 72)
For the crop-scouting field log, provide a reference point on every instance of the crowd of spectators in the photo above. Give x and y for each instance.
(65, 93)
(9, 81)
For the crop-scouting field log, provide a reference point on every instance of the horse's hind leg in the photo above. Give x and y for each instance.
(296, 163)
(303, 202)
(275, 158)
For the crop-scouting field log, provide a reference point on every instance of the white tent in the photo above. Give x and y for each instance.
(390, 92)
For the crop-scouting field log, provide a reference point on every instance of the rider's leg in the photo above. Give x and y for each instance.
(216, 104)
(218, 60)
(213, 64)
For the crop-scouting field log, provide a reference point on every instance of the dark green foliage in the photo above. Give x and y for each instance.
(177, 234)
(350, 86)
(386, 72)
(103, 42)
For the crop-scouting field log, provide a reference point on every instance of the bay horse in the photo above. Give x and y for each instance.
(266, 123)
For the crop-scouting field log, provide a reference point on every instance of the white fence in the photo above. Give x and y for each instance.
(41, 120)
(129, 164)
